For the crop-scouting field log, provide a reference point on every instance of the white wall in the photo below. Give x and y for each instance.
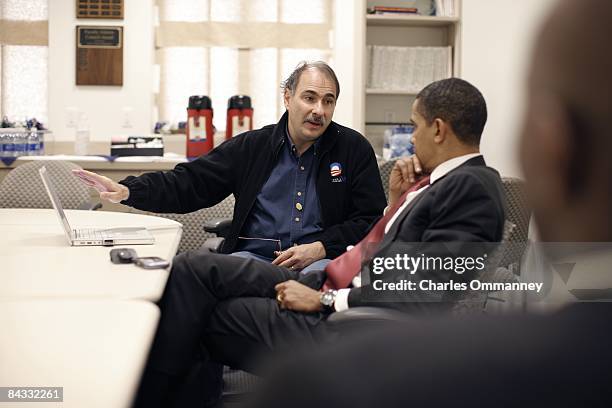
(349, 49)
(497, 37)
(103, 105)
(496, 42)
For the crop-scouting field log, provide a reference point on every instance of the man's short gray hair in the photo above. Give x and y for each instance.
(290, 84)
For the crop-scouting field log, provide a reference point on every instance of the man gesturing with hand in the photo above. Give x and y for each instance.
(108, 189)
(305, 188)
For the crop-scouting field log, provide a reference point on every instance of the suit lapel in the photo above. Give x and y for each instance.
(391, 235)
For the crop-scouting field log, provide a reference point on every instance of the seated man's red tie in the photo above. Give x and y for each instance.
(342, 270)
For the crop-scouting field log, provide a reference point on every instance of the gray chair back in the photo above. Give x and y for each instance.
(23, 188)
(193, 235)
(518, 213)
(385, 170)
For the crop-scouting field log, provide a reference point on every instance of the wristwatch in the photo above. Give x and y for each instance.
(327, 299)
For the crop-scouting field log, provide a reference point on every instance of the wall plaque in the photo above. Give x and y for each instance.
(112, 9)
(99, 55)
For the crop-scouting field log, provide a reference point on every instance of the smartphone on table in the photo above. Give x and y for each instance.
(151, 262)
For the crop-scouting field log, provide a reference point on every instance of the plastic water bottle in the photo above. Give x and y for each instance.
(386, 152)
(21, 142)
(33, 143)
(41, 142)
(9, 145)
(3, 142)
(81, 139)
(401, 141)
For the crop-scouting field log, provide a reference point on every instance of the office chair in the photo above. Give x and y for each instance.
(218, 225)
(193, 237)
(238, 385)
(23, 188)
(518, 213)
(385, 171)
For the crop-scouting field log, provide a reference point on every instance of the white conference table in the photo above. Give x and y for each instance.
(95, 349)
(37, 261)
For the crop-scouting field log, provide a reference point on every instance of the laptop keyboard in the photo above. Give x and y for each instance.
(88, 233)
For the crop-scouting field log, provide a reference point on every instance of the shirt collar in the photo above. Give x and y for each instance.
(293, 149)
(444, 168)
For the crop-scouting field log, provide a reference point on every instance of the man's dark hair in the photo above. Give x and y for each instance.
(458, 103)
(290, 84)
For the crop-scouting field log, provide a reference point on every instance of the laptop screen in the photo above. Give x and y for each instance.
(57, 205)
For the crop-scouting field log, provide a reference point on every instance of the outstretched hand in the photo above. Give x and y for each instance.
(108, 189)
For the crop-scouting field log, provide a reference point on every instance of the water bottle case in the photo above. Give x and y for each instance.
(398, 142)
(16, 142)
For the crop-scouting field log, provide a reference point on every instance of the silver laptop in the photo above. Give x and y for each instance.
(94, 236)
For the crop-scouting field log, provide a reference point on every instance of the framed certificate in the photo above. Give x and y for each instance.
(99, 55)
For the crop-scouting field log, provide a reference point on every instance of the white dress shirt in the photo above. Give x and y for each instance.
(341, 302)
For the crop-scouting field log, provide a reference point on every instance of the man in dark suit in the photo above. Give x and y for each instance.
(560, 359)
(240, 310)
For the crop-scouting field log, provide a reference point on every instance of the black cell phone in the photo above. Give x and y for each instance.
(122, 255)
(151, 262)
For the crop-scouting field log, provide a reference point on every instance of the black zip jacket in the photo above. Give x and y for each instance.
(240, 166)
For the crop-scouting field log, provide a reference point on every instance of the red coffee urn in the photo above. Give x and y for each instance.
(239, 116)
(199, 126)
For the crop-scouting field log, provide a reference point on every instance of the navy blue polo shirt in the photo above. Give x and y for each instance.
(286, 209)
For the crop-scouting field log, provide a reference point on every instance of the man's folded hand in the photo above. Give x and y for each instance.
(295, 296)
(300, 256)
(405, 172)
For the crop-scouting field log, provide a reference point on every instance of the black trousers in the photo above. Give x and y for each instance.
(224, 310)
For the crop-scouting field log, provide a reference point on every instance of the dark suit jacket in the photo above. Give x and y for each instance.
(559, 360)
(467, 205)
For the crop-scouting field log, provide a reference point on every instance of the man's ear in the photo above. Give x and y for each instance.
(286, 97)
(440, 128)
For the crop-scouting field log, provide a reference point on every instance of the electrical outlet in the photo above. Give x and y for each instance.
(389, 116)
(72, 115)
(126, 120)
